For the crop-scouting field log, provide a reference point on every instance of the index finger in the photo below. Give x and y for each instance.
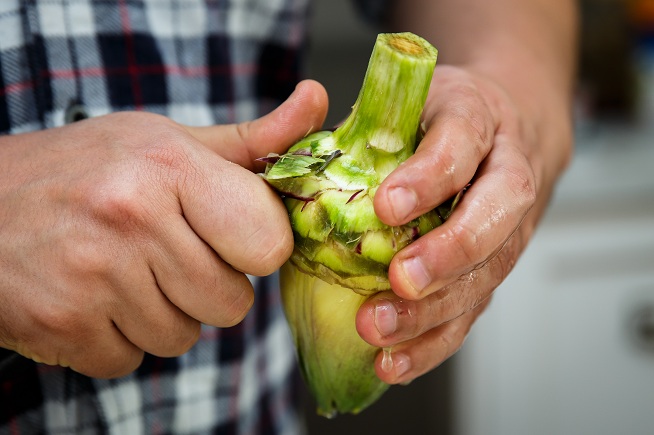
(460, 130)
(238, 215)
(489, 213)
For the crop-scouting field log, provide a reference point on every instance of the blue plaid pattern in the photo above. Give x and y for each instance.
(198, 62)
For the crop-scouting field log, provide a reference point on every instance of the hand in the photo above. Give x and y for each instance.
(119, 235)
(478, 133)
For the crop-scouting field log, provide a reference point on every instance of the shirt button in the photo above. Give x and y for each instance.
(75, 112)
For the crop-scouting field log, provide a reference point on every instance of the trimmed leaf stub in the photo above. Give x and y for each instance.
(292, 165)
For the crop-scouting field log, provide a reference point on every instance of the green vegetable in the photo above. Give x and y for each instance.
(342, 250)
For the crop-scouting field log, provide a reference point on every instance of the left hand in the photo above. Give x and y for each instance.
(478, 133)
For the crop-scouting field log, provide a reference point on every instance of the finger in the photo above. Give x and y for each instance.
(126, 296)
(103, 353)
(194, 278)
(302, 113)
(147, 317)
(416, 357)
(87, 341)
(459, 134)
(107, 355)
(387, 319)
(489, 213)
(237, 214)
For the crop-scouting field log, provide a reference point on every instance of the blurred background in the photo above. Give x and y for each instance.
(567, 345)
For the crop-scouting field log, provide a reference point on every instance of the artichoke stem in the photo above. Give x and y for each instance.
(386, 115)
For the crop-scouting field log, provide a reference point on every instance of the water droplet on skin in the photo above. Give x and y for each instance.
(387, 360)
(330, 415)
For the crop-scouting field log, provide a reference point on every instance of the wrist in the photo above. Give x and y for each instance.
(526, 89)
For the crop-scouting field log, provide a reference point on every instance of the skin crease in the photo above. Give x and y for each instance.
(122, 233)
(498, 116)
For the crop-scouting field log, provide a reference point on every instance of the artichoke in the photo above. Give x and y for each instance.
(342, 250)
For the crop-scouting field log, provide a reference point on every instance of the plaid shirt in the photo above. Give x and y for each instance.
(198, 62)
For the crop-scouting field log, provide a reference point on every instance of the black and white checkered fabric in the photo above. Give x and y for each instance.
(199, 62)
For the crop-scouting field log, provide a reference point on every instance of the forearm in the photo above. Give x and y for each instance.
(503, 38)
(527, 47)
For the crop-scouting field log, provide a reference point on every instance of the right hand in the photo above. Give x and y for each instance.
(121, 234)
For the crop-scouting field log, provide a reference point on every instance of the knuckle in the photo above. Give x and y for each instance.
(64, 321)
(130, 198)
(243, 131)
(451, 339)
(85, 257)
(58, 332)
(483, 287)
(432, 313)
(237, 309)
(179, 339)
(166, 154)
(449, 168)
(111, 365)
(465, 239)
(523, 186)
(269, 249)
(477, 127)
(502, 264)
(120, 207)
(470, 113)
(446, 341)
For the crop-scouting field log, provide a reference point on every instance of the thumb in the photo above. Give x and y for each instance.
(302, 113)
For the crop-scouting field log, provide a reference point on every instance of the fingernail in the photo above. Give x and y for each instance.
(403, 202)
(416, 273)
(385, 317)
(402, 364)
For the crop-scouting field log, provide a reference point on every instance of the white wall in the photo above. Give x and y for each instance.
(567, 346)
